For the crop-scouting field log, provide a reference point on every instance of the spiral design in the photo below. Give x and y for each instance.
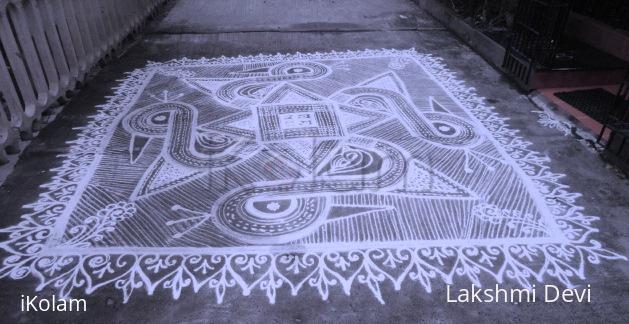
(291, 71)
(178, 120)
(281, 213)
(441, 129)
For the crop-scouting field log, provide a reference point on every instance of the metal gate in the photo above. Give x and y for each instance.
(616, 128)
(537, 30)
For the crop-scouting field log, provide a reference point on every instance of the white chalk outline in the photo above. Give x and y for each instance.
(33, 243)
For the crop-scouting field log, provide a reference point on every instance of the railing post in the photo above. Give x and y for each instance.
(47, 46)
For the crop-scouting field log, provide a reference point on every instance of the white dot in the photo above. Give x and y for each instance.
(273, 206)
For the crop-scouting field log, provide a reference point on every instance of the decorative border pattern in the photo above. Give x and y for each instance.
(547, 119)
(269, 271)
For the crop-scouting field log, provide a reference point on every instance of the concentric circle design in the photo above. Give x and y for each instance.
(450, 129)
(310, 69)
(149, 121)
(271, 220)
(438, 128)
(284, 212)
(291, 71)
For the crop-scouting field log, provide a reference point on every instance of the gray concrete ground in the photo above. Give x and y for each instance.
(196, 28)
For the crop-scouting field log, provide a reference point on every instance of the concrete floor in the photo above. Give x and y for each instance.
(197, 28)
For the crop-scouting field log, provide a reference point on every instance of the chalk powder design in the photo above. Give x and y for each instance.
(304, 171)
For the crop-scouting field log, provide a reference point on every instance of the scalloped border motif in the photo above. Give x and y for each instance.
(70, 271)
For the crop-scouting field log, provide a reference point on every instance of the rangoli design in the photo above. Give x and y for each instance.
(299, 171)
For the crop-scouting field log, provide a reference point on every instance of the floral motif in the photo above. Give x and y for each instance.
(546, 119)
(94, 227)
(513, 218)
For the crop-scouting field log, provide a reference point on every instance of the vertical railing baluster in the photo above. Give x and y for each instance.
(19, 72)
(28, 53)
(43, 48)
(11, 118)
(56, 13)
(94, 19)
(75, 34)
(84, 29)
(47, 46)
(56, 47)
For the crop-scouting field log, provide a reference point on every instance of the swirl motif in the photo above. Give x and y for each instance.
(280, 213)
(254, 91)
(270, 220)
(439, 128)
(488, 212)
(177, 121)
(291, 71)
(370, 102)
(213, 142)
(352, 161)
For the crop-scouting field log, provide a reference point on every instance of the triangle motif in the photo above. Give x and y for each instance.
(424, 181)
(245, 123)
(348, 211)
(302, 147)
(241, 124)
(387, 81)
(164, 175)
(305, 153)
(356, 119)
(291, 94)
(437, 107)
(253, 72)
(252, 69)
(208, 86)
(137, 146)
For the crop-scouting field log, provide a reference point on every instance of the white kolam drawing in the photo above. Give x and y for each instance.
(302, 171)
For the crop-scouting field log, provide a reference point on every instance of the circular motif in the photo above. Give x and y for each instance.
(265, 220)
(274, 206)
(256, 87)
(310, 69)
(298, 70)
(270, 209)
(160, 118)
(281, 213)
(254, 91)
(451, 130)
(370, 102)
(353, 161)
(444, 129)
(215, 141)
(149, 121)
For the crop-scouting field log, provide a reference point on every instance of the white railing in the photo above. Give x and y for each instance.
(47, 46)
